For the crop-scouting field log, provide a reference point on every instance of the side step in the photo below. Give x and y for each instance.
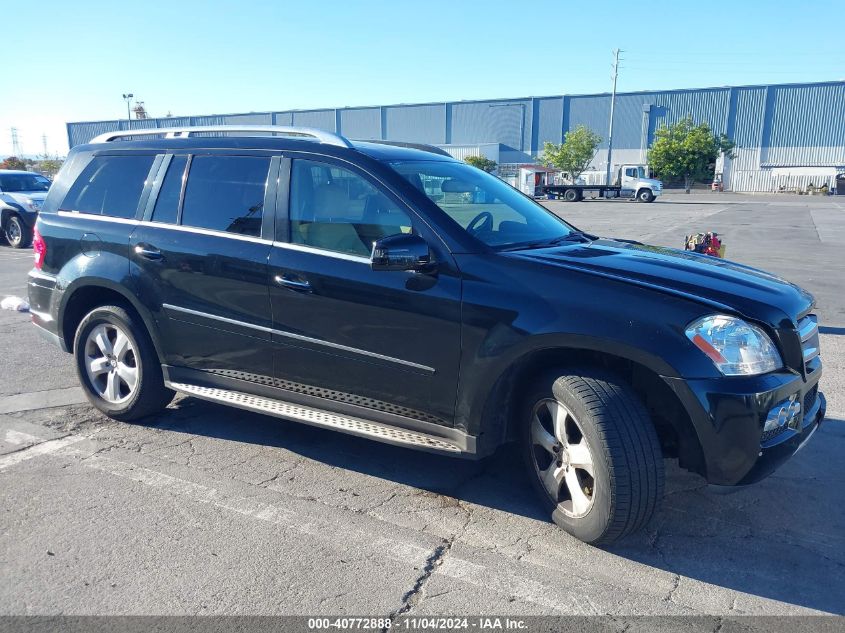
(318, 417)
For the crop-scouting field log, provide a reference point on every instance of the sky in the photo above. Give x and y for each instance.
(76, 59)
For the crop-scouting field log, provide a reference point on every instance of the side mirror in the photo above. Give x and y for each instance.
(402, 252)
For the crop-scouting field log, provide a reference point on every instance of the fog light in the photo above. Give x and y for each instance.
(783, 413)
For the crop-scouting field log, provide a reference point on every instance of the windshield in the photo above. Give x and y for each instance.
(483, 205)
(14, 183)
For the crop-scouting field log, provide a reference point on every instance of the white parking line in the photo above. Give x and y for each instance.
(18, 437)
(45, 448)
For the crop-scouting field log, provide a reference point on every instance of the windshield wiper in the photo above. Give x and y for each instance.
(574, 236)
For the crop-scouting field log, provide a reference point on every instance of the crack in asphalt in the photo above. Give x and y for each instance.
(416, 593)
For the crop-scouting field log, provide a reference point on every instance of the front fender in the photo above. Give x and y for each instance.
(487, 375)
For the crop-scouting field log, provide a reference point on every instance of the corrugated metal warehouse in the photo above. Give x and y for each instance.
(788, 135)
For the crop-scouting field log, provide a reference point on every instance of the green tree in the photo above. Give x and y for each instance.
(482, 163)
(13, 162)
(575, 154)
(686, 150)
(49, 166)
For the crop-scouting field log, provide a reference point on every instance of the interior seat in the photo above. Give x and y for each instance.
(331, 202)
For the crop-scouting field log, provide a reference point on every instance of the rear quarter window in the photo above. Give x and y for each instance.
(109, 185)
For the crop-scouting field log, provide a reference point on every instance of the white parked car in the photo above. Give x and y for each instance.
(21, 195)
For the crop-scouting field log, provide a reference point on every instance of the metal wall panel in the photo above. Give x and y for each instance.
(806, 125)
(790, 125)
(462, 152)
(253, 118)
(174, 121)
(321, 119)
(361, 123)
(208, 120)
(633, 128)
(417, 123)
(493, 121)
(283, 118)
(549, 124)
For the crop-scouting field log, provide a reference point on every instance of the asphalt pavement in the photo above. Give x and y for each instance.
(211, 510)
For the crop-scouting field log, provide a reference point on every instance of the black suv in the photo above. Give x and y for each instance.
(389, 291)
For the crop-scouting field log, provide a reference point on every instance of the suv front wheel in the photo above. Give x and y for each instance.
(593, 455)
(117, 365)
(17, 233)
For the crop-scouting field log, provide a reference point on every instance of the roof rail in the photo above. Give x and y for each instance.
(420, 146)
(321, 136)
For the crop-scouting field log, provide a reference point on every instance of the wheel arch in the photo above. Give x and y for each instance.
(82, 296)
(677, 434)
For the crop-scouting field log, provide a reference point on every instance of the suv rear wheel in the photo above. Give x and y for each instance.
(593, 455)
(17, 233)
(117, 365)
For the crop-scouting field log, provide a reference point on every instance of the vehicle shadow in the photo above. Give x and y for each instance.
(782, 539)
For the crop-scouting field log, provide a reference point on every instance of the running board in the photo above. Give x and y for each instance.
(324, 419)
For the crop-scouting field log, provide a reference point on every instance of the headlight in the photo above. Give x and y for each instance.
(736, 348)
(32, 204)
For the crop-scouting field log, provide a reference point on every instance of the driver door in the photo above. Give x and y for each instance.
(383, 342)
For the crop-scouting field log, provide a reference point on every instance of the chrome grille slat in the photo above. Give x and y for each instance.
(808, 332)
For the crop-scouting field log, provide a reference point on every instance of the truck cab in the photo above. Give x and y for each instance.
(633, 183)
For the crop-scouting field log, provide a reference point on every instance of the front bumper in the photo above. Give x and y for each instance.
(728, 415)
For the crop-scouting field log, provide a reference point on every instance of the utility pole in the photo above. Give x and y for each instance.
(44, 140)
(612, 104)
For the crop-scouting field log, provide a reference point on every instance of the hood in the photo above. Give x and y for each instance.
(721, 284)
(21, 197)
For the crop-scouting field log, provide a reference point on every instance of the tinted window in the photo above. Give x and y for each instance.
(226, 193)
(109, 185)
(337, 210)
(23, 182)
(167, 204)
(485, 206)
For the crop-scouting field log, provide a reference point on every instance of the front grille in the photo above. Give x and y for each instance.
(767, 435)
(808, 330)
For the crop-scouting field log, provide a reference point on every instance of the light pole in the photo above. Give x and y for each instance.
(521, 120)
(128, 97)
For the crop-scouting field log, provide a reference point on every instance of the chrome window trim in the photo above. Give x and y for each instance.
(98, 217)
(298, 337)
(203, 231)
(321, 251)
(167, 225)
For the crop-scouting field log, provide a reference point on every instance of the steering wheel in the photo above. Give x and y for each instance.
(483, 221)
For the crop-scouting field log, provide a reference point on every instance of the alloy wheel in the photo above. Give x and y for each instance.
(13, 233)
(111, 363)
(562, 458)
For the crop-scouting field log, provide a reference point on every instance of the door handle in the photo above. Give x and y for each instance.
(293, 284)
(148, 252)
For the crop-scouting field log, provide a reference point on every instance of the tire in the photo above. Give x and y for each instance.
(645, 195)
(110, 347)
(602, 414)
(571, 195)
(17, 233)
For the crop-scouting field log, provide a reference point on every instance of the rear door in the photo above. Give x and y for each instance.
(200, 258)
